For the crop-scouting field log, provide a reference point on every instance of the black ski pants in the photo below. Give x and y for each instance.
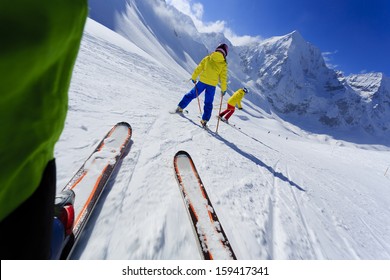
(26, 233)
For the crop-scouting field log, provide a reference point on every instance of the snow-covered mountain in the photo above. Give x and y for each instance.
(373, 90)
(286, 74)
(281, 191)
(292, 75)
(155, 27)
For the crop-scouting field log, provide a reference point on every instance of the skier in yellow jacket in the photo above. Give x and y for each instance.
(211, 70)
(234, 100)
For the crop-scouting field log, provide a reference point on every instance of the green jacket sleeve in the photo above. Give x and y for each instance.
(39, 44)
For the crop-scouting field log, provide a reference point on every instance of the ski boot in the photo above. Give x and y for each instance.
(203, 123)
(64, 210)
(62, 222)
(222, 119)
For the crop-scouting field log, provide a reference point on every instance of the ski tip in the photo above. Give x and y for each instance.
(123, 123)
(182, 153)
(128, 126)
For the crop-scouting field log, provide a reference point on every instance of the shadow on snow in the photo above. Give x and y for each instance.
(249, 156)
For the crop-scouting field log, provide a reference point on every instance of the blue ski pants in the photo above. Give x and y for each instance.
(208, 100)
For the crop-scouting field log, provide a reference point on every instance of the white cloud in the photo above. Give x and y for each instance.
(328, 59)
(216, 26)
(182, 5)
(240, 40)
(197, 8)
(195, 11)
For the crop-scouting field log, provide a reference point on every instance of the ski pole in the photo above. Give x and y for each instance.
(220, 108)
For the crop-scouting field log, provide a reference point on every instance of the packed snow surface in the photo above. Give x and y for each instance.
(280, 192)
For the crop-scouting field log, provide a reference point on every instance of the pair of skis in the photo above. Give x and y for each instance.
(93, 176)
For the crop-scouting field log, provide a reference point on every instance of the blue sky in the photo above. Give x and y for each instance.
(354, 35)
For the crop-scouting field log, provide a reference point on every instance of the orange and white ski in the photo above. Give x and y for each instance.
(210, 236)
(90, 180)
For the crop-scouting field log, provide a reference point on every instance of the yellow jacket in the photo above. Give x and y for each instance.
(212, 69)
(236, 98)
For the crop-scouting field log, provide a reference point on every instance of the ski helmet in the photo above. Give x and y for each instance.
(245, 90)
(222, 48)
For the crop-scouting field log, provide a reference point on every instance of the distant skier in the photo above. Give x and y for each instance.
(211, 70)
(234, 100)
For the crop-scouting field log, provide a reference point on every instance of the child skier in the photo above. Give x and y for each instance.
(234, 100)
(211, 70)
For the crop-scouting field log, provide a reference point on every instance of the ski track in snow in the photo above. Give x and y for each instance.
(278, 195)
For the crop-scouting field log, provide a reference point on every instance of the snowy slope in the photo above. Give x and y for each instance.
(285, 74)
(158, 29)
(280, 192)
